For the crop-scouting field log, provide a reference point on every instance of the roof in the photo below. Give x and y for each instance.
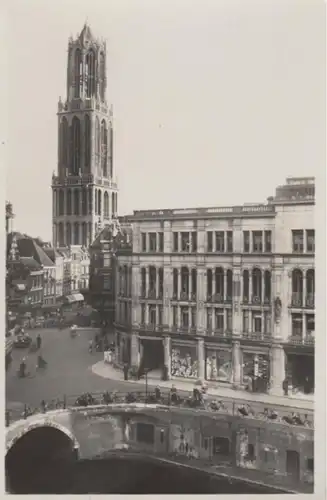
(112, 233)
(52, 253)
(27, 247)
(31, 263)
(86, 33)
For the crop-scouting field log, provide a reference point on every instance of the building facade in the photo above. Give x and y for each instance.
(84, 189)
(223, 294)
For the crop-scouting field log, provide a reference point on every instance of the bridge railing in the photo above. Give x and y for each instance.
(255, 410)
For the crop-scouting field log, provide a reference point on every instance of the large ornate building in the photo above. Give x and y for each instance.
(84, 189)
(222, 293)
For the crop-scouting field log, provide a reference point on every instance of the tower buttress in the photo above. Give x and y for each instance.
(84, 189)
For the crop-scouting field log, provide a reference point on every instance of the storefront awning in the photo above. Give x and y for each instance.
(76, 297)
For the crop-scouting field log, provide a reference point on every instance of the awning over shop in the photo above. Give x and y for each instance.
(76, 297)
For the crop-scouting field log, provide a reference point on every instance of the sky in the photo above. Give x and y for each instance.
(215, 102)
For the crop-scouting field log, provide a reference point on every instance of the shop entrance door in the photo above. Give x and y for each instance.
(293, 464)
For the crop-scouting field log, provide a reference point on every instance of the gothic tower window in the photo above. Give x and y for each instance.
(102, 75)
(104, 141)
(87, 141)
(84, 202)
(61, 202)
(90, 74)
(99, 202)
(106, 204)
(76, 233)
(90, 193)
(97, 139)
(69, 202)
(111, 150)
(60, 234)
(96, 202)
(68, 234)
(76, 142)
(84, 235)
(113, 203)
(64, 142)
(76, 202)
(78, 73)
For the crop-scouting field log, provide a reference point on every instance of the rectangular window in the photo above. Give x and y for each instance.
(257, 323)
(310, 465)
(268, 241)
(194, 241)
(145, 433)
(297, 241)
(106, 260)
(220, 241)
(184, 316)
(143, 238)
(174, 315)
(106, 282)
(229, 320)
(310, 240)
(161, 242)
(185, 242)
(209, 319)
(297, 325)
(152, 315)
(246, 241)
(152, 242)
(175, 242)
(267, 319)
(230, 241)
(142, 314)
(219, 320)
(246, 321)
(193, 317)
(257, 241)
(160, 314)
(209, 241)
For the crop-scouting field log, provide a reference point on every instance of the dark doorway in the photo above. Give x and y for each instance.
(152, 356)
(293, 464)
(301, 369)
(221, 446)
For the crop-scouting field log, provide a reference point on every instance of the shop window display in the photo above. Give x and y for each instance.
(184, 362)
(219, 365)
(255, 372)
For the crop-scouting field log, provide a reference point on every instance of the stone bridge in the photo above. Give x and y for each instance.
(172, 432)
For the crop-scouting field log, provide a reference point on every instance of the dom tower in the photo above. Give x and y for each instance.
(84, 191)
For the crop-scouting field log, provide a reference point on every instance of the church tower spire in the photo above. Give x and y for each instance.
(84, 189)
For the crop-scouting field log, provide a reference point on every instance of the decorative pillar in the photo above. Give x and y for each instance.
(135, 354)
(167, 355)
(201, 359)
(263, 291)
(168, 285)
(65, 201)
(200, 299)
(225, 284)
(179, 283)
(146, 314)
(190, 284)
(304, 289)
(147, 282)
(277, 369)
(236, 364)
(157, 282)
(250, 286)
(304, 326)
(178, 317)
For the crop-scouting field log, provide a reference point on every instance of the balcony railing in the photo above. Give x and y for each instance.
(297, 299)
(310, 301)
(257, 335)
(218, 332)
(184, 329)
(299, 340)
(151, 327)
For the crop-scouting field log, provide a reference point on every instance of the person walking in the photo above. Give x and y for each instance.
(90, 346)
(38, 341)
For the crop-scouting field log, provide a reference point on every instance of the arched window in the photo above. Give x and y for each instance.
(194, 284)
(106, 204)
(61, 202)
(152, 282)
(76, 233)
(84, 202)
(97, 139)
(257, 285)
(297, 288)
(78, 73)
(229, 291)
(219, 281)
(90, 73)
(60, 241)
(69, 202)
(113, 203)
(90, 193)
(68, 234)
(76, 144)
(104, 144)
(310, 289)
(54, 203)
(209, 284)
(99, 202)
(246, 286)
(102, 75)
(76, 202)
(267, 280)
(87, 141)
(64, 142)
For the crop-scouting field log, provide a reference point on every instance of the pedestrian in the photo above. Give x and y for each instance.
(38, 341)
(125, 371)
(90, 346)
(285, 386)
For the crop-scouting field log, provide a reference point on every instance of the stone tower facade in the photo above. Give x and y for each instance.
(84, 189)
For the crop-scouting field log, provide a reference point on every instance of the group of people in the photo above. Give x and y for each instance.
(41, 363)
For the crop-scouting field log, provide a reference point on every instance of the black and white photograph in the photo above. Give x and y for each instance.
(161, 163)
